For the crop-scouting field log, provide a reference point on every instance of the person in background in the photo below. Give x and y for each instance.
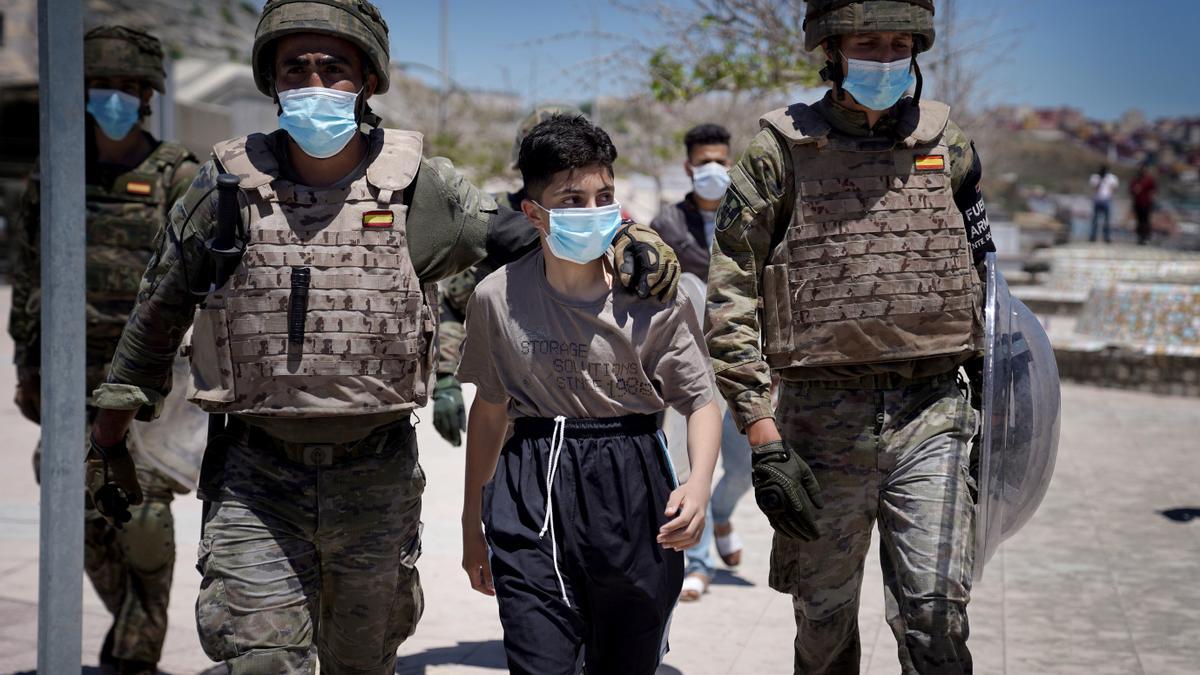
(132, 179)
(1142, 190)
(1104, 184)
(688, 225)
(688, 228)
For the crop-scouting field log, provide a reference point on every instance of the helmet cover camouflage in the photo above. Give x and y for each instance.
(358, 21)
(117, 51)
(535, 117)
(829, 18)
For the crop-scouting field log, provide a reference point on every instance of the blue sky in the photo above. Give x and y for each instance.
(1103, 56)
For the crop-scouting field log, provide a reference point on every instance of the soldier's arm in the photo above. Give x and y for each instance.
(447, 220)
(746, 227)
(24, 315)
(456, 291)
(185, 173)
(140, 376)
(966, 172)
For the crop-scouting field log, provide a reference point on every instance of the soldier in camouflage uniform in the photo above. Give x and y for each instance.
(132, 180)
(857, 230)
(310, 354)
(449, 415)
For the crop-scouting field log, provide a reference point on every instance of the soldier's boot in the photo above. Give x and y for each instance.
(132, 667)
(108, 662)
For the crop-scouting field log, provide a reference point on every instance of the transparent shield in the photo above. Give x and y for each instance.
(1021, 411)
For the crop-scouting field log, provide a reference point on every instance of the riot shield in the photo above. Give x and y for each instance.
(1021, 407)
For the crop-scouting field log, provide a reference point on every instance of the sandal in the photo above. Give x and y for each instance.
(729, 544)
(694, 586)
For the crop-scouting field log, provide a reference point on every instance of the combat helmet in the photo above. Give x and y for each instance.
(358, 21)
(829, 18)
(535, 117)
(117, 51)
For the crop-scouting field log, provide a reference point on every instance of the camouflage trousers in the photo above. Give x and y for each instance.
(308, 560)
(896, 452)
(131, 569)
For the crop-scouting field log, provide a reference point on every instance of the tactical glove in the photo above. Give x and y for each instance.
(449, 416)
(786, 491)
(112, 482)
(645, 263)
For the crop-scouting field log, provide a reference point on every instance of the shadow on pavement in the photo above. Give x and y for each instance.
(727, 578)
(489, 654)
(1181, 515)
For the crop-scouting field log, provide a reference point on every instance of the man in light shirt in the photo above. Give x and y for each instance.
(1104, 184)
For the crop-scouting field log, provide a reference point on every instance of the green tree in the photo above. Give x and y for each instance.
(754, 47)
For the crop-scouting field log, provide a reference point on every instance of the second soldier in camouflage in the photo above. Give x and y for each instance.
(845, 263)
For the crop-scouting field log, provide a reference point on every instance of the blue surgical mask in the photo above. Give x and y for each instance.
(878, 85)
(582, 235)
(710, 180)
(115, 111)
(321, 120)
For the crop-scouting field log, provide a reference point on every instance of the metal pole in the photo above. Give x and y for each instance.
(60, 577)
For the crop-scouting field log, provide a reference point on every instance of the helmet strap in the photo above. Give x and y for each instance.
(832, 72)
(920, 80)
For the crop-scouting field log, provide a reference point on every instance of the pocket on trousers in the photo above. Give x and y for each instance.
(213, 619)
(212, 361)
(777, 310)
(409, 604)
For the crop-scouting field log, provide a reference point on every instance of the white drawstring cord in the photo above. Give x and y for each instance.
(556, 442)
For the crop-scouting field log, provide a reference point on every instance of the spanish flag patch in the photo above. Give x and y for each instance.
(378, 219)
(137, 187)
(930, 163)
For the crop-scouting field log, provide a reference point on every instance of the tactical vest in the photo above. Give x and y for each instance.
(875, 264)
(123, 223)
(369, 324)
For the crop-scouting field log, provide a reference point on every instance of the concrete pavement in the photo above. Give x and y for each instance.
(1104, 579)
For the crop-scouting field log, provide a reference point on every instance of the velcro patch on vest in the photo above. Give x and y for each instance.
(378, 219)
(929, 163)
(137, 187)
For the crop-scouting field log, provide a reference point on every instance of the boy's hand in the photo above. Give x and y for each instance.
(475, 560)
(688, 504)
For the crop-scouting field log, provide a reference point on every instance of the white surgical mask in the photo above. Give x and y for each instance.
(710, 180)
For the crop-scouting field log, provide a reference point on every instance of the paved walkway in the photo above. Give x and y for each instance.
(1105, 579)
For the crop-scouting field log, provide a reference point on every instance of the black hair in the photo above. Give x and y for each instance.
(705, 134)
(559, 143)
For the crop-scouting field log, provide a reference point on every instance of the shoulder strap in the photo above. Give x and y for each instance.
(251, 158)
(167, 158)
(396, 158)
(923, 123)
(798, 124)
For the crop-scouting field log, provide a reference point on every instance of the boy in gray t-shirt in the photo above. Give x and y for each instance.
(584, 521)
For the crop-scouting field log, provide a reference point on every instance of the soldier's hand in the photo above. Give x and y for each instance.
(112, 482)
(449, 415)
(786, 490)
(645, 263)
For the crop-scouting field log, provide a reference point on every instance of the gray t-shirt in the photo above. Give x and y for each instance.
(548, 355)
